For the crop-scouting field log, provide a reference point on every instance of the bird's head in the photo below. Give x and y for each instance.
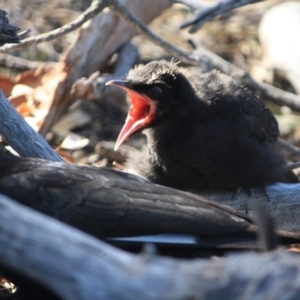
(152, 90)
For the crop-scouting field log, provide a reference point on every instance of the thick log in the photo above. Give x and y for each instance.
(106, 202)
(75, 266)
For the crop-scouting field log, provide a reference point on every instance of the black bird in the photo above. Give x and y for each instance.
(203, 133)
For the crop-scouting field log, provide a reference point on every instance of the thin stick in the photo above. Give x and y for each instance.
(51, 35)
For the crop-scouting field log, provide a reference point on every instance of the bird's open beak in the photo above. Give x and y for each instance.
(140, 112)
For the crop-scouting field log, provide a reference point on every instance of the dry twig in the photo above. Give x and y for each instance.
(48, 36)
(144, 29)
(204, 11)
(21, 64)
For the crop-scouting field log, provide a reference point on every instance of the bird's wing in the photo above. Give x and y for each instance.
(259, 121)
(228, 99)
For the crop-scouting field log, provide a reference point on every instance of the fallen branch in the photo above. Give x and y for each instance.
(109, 203)
(20, 64)
(204, 12)
(48, 36)
(143, 29)
(94, 86)
(90, 52)
(75, 266)
(24, 140)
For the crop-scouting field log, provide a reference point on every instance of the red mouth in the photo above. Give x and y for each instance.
(140, 112)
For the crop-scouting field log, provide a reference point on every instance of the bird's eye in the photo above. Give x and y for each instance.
(155, 92)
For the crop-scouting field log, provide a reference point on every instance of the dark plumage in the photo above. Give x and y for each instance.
(203, 133)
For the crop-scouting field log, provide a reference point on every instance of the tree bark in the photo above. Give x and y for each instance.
(106, 202)
(75, 266)
(23, 139)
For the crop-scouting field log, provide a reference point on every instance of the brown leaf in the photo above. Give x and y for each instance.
(6, 84)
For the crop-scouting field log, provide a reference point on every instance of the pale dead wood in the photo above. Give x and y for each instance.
(75, 266)
(21, 64)
(94, 86)
(143, 29)
(97, 41)
(48, 36)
